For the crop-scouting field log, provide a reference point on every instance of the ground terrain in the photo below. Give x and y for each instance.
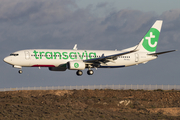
(105, 104)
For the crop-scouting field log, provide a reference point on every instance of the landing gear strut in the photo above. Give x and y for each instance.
(79, 73)
(20, 71)
(90, 72)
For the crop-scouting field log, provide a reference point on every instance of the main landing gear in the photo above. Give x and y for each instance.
(89, 72)
(79, 73)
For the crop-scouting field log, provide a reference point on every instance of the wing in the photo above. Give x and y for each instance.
(109, 58)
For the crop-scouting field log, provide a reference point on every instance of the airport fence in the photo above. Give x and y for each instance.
(92, 87)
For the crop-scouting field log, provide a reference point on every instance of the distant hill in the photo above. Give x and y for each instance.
(90, 104)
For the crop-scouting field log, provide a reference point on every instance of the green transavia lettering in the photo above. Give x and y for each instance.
(64, 55)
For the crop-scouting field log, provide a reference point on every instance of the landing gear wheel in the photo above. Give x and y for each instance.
(79, 73)
(90, 72)
(20, 71)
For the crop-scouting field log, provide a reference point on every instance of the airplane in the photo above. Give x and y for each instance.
(74, 59)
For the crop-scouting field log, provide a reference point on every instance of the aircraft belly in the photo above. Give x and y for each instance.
(47, 63)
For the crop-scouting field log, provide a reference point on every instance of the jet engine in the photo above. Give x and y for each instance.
(76, 65)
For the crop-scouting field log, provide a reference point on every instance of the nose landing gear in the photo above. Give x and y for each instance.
(19, 67)
(20, 71)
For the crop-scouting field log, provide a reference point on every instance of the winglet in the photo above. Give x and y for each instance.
(75, 47)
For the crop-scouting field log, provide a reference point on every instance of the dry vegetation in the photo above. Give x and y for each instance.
(90, 104)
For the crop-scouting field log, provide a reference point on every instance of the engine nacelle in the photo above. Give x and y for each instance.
(76, 65)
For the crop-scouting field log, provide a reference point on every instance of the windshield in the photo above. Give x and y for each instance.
(14, 54)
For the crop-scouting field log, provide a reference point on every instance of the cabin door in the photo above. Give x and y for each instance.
(136, 57)
(27, 55)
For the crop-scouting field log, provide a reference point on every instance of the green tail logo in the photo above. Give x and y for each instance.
(151, 40)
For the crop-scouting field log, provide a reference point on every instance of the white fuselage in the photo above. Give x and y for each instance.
(56, 57)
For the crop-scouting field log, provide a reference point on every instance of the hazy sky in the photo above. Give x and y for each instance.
(95, 24)
(158, 6)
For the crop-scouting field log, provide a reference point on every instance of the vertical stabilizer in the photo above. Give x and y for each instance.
(150, 40)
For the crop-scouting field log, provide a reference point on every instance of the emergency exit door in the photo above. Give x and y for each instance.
(136, 57)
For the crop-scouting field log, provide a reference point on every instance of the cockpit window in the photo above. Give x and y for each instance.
(14, 54)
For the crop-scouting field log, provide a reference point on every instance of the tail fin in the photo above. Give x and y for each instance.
(150, 40)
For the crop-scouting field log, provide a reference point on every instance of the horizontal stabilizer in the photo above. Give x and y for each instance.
(159, 53)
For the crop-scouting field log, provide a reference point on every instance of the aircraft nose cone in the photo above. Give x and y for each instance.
(7, 59)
